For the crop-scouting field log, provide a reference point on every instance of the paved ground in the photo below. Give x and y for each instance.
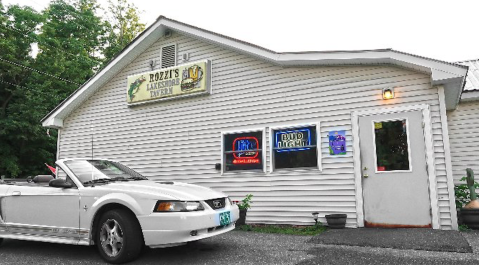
(419, 239)
(254, 248)
(231, 248)
(390, 246)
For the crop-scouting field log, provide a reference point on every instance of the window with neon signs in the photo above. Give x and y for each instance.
(243, 151)
(295, 147)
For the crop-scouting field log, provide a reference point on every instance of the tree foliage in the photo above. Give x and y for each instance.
(73, 43)
(123, 24)
(17, 30)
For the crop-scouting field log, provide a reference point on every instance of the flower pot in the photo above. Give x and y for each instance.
(336, 221)
(242, 217)
(470, 217)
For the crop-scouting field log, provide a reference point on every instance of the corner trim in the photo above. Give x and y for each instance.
(447, 157)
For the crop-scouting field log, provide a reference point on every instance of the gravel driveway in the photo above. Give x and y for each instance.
(235, 247)
(239, 247)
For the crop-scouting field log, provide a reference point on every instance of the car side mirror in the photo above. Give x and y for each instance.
(60, 183)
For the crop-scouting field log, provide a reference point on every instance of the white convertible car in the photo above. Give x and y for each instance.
(104, 203)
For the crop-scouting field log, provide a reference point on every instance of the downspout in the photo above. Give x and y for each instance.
(58, 143)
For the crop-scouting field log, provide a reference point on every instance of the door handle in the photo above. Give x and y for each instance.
(16, 193)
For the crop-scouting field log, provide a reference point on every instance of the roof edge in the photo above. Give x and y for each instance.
(441, 72)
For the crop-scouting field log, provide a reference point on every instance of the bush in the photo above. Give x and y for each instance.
(462, 193)
(245, 203)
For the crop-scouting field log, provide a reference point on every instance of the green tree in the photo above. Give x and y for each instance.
(17, 34)
(73, 43)
(123, 25)
(69, 38)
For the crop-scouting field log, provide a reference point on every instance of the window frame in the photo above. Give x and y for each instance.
(408, 146)
(317, 125)
(67, 177)
(263, 150)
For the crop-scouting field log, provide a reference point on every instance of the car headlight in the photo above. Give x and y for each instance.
(178, 206)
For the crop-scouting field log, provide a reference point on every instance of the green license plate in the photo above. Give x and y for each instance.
(225, 218)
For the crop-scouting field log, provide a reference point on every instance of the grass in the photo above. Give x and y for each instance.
(284, 229)
(464, 228)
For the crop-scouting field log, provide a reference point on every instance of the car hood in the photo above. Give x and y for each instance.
(174, 190)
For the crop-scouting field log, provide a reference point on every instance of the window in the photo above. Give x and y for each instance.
(87, 170)
(391, 145)
(295, 147)
(168, 56)
(63, 175)
(243, 151)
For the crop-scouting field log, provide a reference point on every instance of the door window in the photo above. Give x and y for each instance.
(391, 145)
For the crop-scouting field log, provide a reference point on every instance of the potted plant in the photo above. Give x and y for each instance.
(243, 206)
(470, 212)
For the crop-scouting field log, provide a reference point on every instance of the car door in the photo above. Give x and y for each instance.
(3, 192)
(40, 210)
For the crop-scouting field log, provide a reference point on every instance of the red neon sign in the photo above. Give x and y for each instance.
(246, 161)
(246, 143)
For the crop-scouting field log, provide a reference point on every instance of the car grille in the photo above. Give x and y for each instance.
(216, 204)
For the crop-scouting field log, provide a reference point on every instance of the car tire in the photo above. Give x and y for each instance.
(119, 238)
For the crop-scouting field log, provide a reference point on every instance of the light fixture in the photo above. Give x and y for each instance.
(315, 217)
(388, 93)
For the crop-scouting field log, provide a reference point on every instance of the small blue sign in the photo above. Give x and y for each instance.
(337, 143)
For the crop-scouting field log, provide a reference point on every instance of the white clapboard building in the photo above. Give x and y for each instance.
(363, 133)
(463, 124)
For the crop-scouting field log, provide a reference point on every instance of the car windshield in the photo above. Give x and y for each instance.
(101, 171)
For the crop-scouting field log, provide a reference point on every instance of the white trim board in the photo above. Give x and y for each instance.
(429, 158)
(451, 76)
(447, 157)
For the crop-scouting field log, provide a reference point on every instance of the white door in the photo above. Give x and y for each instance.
(394, 170)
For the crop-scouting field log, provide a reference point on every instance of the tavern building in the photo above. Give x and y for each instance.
(363, 133)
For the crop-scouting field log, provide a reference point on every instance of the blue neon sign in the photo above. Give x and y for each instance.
(292, 140)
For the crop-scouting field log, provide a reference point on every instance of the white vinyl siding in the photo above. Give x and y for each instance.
(464, 138)
(181, 139)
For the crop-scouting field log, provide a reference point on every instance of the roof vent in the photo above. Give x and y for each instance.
(168, 56)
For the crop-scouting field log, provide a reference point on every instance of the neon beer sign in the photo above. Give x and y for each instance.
(293, 140)
(246, 144)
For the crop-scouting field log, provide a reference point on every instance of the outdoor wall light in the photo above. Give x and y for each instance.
(388, 93)
(315, 217)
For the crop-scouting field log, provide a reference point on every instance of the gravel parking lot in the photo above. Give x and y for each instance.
(235, 247)
(239, 247)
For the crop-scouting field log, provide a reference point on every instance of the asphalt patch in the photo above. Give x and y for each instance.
(403, 238)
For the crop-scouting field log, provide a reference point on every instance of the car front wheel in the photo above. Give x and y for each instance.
(119, 238)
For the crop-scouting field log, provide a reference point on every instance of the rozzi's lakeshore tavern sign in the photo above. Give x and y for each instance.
(170, 83)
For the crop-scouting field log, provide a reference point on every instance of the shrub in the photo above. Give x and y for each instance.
(462, 193)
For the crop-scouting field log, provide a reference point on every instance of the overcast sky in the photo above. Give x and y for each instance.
(445, 30)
